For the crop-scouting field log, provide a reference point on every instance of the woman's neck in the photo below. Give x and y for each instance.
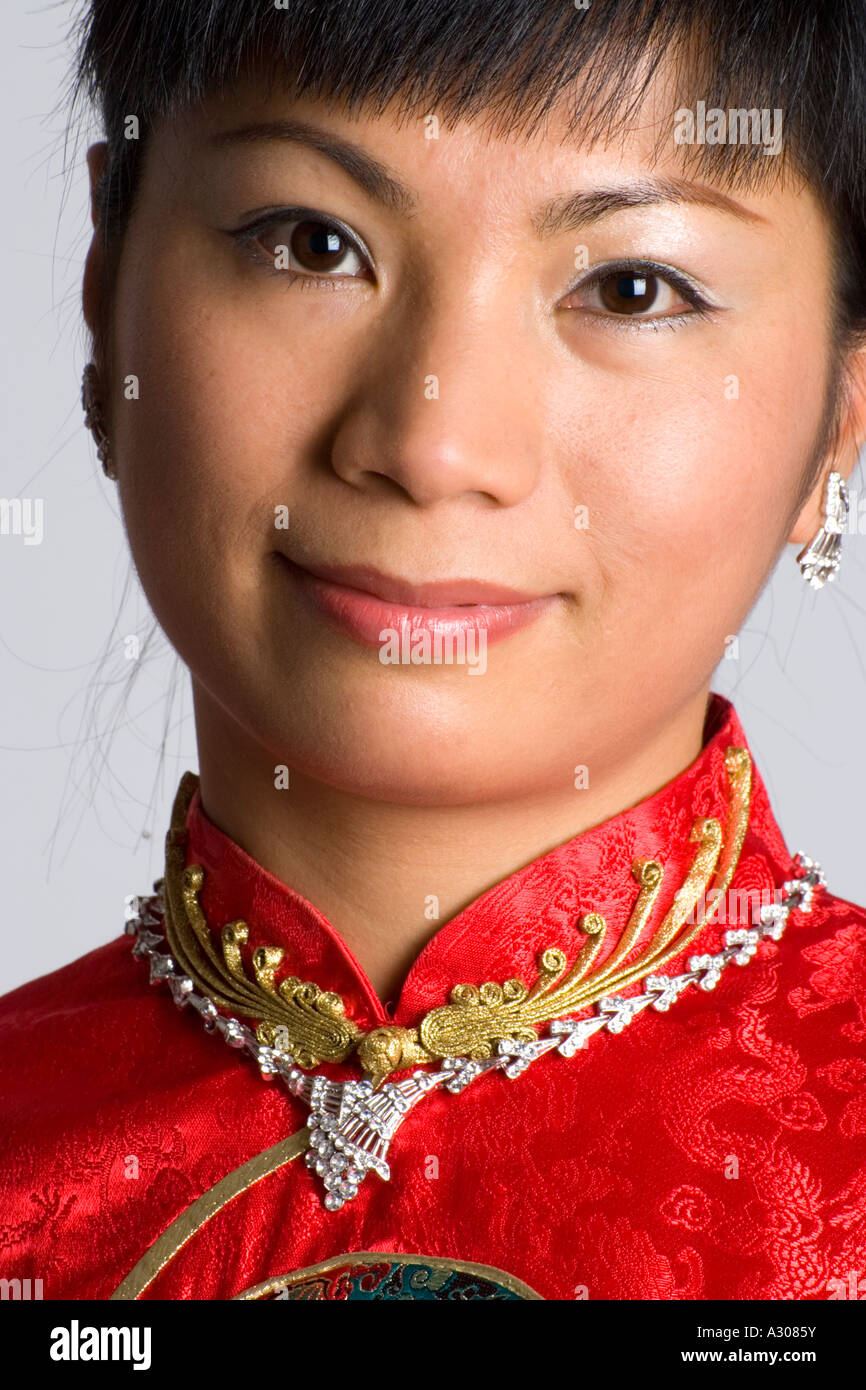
(387, 876)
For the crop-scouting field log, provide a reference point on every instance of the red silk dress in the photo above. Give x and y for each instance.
(712, 1150)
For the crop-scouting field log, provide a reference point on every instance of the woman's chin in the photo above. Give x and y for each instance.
(412, 766)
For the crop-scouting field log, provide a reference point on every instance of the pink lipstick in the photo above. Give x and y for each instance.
(368, 605)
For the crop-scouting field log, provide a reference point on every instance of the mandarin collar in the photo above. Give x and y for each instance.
(502, 933)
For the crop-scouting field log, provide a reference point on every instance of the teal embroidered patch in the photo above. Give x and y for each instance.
(379, 1276)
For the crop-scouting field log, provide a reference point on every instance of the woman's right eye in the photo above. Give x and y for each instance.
(310, 246)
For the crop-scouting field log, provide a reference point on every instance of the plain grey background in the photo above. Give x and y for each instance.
(85, 805)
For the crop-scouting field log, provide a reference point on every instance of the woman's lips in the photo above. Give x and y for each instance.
(365, 604)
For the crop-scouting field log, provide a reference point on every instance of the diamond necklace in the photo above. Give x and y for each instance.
(352, 1123)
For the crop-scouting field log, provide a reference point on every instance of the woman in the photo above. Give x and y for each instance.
(464, 370)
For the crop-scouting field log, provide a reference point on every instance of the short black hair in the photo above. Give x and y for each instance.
(509, 60)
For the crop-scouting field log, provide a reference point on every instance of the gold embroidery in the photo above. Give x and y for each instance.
(476, 1019)
(390, 1049)
(738, 765)
(298, 1017)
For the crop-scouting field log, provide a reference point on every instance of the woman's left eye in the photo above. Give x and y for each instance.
(307, 244)
(638, 292)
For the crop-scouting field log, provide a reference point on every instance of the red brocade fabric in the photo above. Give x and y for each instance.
(716, 1151)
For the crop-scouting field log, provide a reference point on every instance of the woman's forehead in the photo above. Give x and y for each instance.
(387, 150)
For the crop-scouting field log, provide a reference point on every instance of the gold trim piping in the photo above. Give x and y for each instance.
(190, 1221)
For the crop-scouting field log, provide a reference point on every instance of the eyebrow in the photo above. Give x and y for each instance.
(360, 165)
(564, 213)
(582, 208)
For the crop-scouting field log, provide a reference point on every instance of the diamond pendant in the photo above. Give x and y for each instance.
(352, 1123)
(351, 1126)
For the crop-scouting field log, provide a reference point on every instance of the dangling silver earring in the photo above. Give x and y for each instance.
(819, 560)
(94, 420)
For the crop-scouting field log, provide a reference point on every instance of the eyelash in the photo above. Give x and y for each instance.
(700, 306)
(245, 238)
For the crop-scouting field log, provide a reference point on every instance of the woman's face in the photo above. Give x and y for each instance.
(461, 382)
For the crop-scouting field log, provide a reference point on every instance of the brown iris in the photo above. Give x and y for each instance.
(314, 245)
(629, 292)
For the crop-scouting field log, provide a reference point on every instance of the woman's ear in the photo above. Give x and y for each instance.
(91, 289)
(849, 440)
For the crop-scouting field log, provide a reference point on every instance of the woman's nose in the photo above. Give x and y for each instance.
(444, 407)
